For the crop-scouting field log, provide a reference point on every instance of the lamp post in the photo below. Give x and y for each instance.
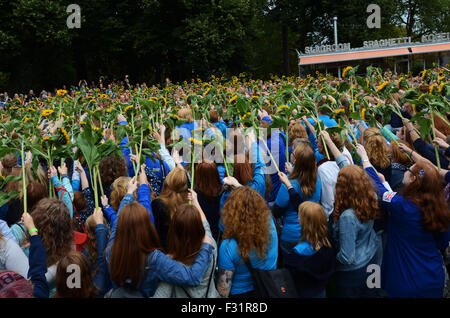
(336, 41)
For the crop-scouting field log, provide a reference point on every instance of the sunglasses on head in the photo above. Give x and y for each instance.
(421, 173)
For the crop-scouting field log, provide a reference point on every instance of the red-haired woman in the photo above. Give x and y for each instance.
(136, 263)
(418, 228)
(312, 260)
(249, 235)
(306, 182)
(187, 229)
(355, 209)
(208, 187)
(244, 174)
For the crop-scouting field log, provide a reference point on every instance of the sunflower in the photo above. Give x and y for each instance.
(47, 112)
(45, 138)
(233, 99)
(432, 88)
(282, 107)
(27, 119)
(382, 86)
(339, 110)
(363, 114)
(399, 81)
(195, 141)
(206, 92)
(61, 92)
(66, 136)
(127, 108)
(348, 68)
(414, 108)
(424, 72)
(441, 87)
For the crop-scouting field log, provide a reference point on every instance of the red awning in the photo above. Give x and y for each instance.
(431, 48)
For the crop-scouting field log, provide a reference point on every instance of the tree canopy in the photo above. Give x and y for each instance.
(183, 39)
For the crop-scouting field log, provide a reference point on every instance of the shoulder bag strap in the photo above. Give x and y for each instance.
(209, 280)
(211, 275)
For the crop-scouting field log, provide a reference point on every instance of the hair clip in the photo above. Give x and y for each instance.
(421, 173)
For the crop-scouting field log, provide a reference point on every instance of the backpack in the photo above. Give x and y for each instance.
(128, 289)
(124, 291)
(209, 281)
(276, 283)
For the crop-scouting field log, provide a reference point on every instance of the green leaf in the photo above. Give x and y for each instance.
(5, 197)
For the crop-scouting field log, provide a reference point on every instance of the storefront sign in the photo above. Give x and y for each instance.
(436, 37)
(327, 48)
(386, 42)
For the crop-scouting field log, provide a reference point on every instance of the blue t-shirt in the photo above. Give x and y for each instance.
(291, 227)
(276, 145)
(304, 248)
(186, 129)
(222, 127)
(230, 259)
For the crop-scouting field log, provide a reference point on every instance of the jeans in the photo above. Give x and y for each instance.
(353, 284)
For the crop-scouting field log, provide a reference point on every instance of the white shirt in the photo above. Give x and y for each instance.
(328, 173)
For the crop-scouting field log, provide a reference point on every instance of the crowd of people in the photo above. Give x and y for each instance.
(337, 204)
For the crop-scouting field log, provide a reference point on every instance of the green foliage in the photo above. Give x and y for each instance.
(184, 39)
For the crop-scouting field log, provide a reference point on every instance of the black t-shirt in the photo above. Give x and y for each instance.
(161, 215)
(211, 208)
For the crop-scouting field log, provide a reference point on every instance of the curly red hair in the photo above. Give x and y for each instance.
(246, 219)
(354, 190)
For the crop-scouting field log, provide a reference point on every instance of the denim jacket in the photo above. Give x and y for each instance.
(159, 266)
(101, 279)
(358, 241)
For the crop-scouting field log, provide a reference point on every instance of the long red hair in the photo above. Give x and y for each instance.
(186, 233)
(135, 238)
(207, 179)
(428, 193)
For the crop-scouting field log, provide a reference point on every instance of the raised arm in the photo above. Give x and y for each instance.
(144, 193)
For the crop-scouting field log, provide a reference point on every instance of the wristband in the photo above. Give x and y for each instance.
(106, 206)
(31, 231)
